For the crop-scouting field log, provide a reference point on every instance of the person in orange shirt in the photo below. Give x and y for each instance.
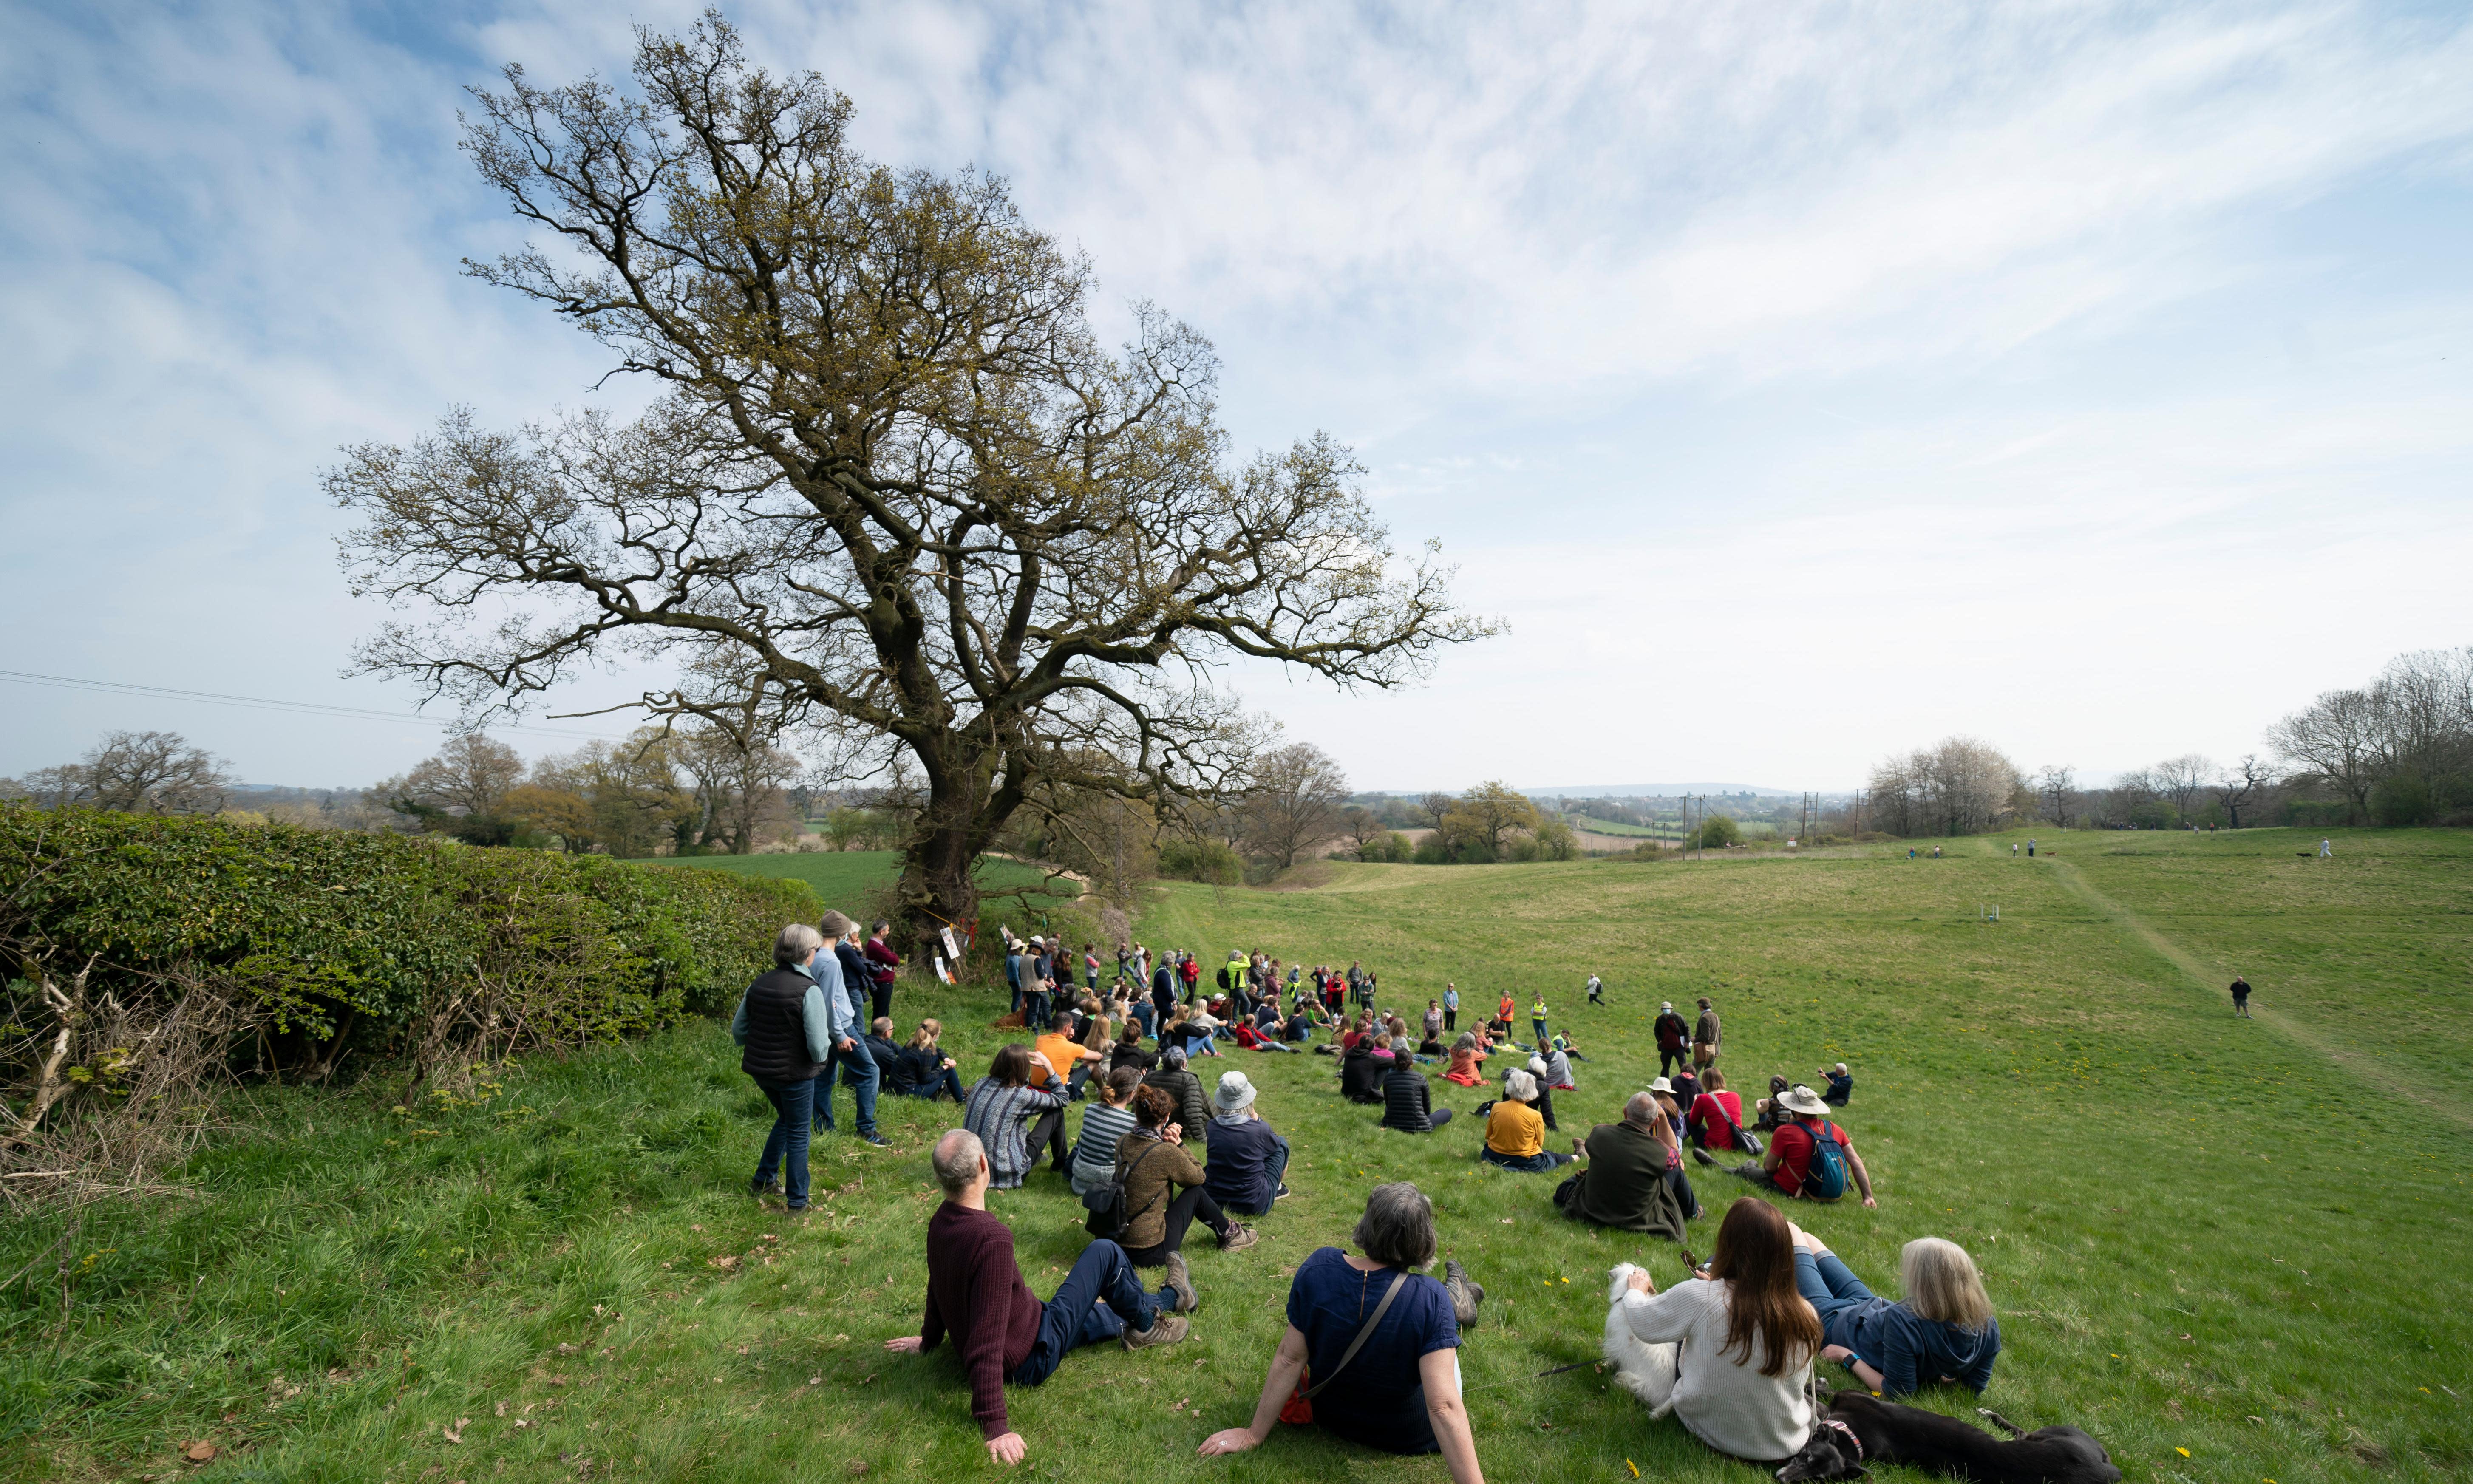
(1502, 1015)
(1068, 1060)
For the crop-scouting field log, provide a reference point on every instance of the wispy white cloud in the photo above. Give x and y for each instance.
(1977, 352)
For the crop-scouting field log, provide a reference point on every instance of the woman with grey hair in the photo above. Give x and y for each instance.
(1515, 1136)
(1378, 1340)
(1170, 1077)
(786, 1031)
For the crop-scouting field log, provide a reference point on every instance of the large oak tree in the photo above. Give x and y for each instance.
(896, 482)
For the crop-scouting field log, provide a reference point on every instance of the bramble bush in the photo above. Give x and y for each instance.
(145, 957)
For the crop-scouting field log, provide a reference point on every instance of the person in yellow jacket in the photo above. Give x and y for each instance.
(1537, 1021)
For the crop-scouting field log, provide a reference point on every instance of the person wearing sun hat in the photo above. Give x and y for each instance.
(1246, 1157)
(1787, 1167)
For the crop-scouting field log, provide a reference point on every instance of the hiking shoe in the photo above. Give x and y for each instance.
(1466, 1294)
(1181, 1283)
(1704, 1156)
(760, 1188)
(1165, 1330)
(1238, 1238)
(1284, 1193)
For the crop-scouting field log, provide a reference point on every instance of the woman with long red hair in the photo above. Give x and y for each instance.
(1749, 1338)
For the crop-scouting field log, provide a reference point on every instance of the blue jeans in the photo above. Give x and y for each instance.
(1074, 1317)
(859, 1069)
(1829, 1286)
(785, 1148)
(1535, 1164)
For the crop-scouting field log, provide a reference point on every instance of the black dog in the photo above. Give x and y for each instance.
(1859, 1427)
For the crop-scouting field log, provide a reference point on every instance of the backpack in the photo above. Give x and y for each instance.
(1826, 1178)
(1107, 1203)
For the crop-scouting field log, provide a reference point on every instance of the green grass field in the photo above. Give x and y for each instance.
(851, 879)
(2233, 1250)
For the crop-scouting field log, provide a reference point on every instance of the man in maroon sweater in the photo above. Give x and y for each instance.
(1004, 1334)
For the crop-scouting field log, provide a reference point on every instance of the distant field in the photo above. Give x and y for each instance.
(846, 878)
(2234, 1250)
(1598, 826)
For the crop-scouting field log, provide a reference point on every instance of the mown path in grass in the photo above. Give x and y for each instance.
(2187, 1221)
(2352, 1062)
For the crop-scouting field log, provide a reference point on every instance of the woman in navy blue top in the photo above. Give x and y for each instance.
(1400, 1392)
(1942, 1331)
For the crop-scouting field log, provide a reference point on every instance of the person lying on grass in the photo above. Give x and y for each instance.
(1004, 1334)
(1810, 1157)
(1942, 1331)
(1400, 1391)
(1752, 1338)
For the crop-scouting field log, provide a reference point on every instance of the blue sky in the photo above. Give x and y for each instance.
(1801, 382)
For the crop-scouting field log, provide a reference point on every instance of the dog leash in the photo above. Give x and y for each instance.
(1577, 1364)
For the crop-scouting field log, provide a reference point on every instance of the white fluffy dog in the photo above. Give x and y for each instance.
(1646, 1370)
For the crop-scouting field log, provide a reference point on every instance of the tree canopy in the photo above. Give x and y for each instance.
(897, 490)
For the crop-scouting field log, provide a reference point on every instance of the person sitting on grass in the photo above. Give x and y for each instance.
(1809, 1158)
(1066, 1057)
(1361, 1074)
(1515, 1136)
(1299, 1027)
(1568, 1046)
(1746, 1392)
(1544, 1102)
(1553, 1069)
(1247, 1157)
(1768, 1112)
(1466, 1058)
(1004, 1334)
(1669, 1141)
(1715, 1120)
(1164, 1188)
(926, 1070)
(1183, 1088)
(1408, 1101)
(1104, 1125)
(1943, 1330)
(916, 1070)
(998, 1106)
(1841, 1085)
(1625, 1184)
(1128, 1050)
(1378, 1341)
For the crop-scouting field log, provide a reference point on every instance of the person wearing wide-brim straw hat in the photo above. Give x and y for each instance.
(1786, 1168)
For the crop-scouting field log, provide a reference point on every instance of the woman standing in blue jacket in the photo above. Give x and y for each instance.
(1942, 1331)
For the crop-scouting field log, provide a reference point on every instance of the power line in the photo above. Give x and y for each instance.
(267, 704)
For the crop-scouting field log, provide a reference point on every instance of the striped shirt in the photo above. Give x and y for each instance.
(999, 1116)
(1094, 1154)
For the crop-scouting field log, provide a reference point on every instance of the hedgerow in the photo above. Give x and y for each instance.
(146, 956)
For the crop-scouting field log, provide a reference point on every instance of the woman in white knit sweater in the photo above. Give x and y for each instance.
(1748, 1338)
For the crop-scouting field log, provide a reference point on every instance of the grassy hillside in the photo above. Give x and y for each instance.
(2233, 1250)
(848, 879)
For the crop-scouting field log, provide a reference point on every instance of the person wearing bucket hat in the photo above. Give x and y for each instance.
(1796, 1164)
(1246, 1157)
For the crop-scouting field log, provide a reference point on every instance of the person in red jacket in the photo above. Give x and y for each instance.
(881, 962)
(976, 1292)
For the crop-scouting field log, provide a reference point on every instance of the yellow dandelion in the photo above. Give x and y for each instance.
(1633, 1467)
(2183, 1451)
